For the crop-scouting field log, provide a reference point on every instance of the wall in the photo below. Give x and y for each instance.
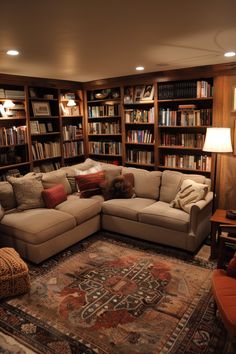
(223, 116)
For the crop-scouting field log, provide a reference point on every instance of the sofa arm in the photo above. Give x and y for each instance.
(200, 211)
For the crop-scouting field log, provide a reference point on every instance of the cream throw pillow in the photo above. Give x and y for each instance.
(190, 192)
(28, 192)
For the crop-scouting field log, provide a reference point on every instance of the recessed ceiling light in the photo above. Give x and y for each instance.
(229, 54)
(12, 52)
(139, 68)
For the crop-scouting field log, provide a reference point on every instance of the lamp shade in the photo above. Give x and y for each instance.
(8, 104)
(218, 140)
(71, 103)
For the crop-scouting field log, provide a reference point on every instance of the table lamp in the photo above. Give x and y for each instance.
(218, 140)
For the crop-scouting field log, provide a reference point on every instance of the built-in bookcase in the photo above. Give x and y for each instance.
(72, 125)
(14, 148)
(139, 123)
(184, 112)
(44, 126)
(104, 124)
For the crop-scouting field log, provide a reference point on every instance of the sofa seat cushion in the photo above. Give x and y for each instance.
(126, 208)
(36, 225)
(161, 214)
(224, 290)
(81, 209)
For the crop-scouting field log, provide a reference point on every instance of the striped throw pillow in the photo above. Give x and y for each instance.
(89, 185)
(190, 192)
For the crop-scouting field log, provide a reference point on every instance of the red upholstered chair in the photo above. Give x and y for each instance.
(223, 283)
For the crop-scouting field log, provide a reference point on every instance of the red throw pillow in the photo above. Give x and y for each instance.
(89, 185)
(231, 269)
(54, 195)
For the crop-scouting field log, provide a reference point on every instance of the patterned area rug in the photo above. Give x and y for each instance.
(108, 296)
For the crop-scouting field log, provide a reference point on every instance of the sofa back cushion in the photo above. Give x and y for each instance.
(170, 185)
(53, 178)
(7, 197)
(172, 180)
(146, 183)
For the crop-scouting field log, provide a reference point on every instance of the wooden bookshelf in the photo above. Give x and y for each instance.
(104, 126)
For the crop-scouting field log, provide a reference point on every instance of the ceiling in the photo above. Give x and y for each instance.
(87, 40)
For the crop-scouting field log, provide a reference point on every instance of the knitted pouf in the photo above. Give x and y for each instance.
(14, 274)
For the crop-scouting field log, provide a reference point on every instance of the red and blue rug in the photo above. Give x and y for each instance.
(109, 296)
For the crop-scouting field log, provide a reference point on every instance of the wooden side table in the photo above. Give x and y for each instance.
(219, 217)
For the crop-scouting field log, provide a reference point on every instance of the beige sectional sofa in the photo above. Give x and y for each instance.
(40, 233)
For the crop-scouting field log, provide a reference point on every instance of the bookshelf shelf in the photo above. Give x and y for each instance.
(15, 165)
(114, 100)
(73, 157)
(184, 126)
(77, 139)
(139, 164)
(147, 103)
(47, 158)
(138, 123)
(42, 99)
(176, 147)
(104, 134)
(12, 118)
(112, 155)
(187, 99)
(104, 117)
(44, 117)
(142, 144)
(184, 169)
(45, 134)
(71, 116)
(12, 145)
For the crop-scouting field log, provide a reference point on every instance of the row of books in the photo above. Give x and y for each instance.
(45, 150)
(193, 162)
(12, 157)
(139, 115)
(72, 132)
(185, 89)
(185, 117)
(139, 136)
(103, 110)
(105, 147)
(104, 128)
(47, 167)
(137, 156)
(73, 148)
(13, 136)
(183, 139)
(37, 127)
(11, 94)
(14, 172)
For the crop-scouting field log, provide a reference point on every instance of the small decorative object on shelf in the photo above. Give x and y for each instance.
(139, 94)
(41, 109)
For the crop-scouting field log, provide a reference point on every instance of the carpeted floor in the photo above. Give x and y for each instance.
(109, 295)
